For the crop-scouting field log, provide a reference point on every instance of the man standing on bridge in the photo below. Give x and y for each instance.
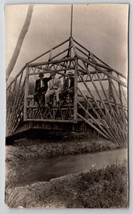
(41, 89)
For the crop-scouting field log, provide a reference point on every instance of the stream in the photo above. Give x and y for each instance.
(31, 171)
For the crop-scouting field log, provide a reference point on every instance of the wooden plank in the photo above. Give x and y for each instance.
(107, 98)
(14, 104)
(52, 62)
(121, 103)
(108, 122)
(18, 90)
(52, 121)
(61, 53)
(81, 46)
(107, 66)
(90, 104)
(115, 114)
(23, 68)
(81, 51)
(94, 80)
(95, 101)
(103, 71)
(26, 94)
(48, 51)
(69, 51)
(104, 91)
(92, 125)
(98, 116)
(73, 46)
(97, 91)
(50, 70)
(95, 121)
(91, 72)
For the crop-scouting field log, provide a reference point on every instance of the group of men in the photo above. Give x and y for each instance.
(48, 87)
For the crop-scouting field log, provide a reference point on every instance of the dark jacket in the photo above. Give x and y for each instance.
(66, 83)
(38, 87)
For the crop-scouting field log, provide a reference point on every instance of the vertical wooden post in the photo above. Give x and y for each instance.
(26, 92)
(120, 94)
(109, 89)
(75, 89)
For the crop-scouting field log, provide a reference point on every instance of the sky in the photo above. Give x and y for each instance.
(101, 28)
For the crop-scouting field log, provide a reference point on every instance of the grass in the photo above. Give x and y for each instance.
(103, 188)
(36, 148)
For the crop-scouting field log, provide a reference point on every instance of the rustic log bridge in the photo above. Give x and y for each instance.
(100, 99)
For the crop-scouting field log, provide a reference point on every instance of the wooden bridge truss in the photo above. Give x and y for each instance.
(100, 96)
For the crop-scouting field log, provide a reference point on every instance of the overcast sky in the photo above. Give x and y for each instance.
(101, 28)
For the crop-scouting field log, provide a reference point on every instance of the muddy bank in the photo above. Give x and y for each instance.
(103, 188)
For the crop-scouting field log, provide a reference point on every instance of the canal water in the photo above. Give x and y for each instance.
(45, 169)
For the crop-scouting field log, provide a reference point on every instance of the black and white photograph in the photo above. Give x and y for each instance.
(66, 106)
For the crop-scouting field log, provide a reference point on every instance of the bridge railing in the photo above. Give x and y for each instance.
(108, 114)
(15, 102)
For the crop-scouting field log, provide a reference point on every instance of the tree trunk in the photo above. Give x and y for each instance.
(20, 41)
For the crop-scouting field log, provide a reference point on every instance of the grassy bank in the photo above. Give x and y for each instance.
(104, 188)
(27, 149)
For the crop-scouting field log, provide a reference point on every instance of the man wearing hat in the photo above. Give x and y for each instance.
(68, 86)
(54, 89)
(41, 88)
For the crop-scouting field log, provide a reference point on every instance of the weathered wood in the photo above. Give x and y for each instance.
(14, 103)
(116, 118)
(110, 93)
(115, 115)
(95, 121)
(81, 51)
(104, 91)
(106, 95)
(14, 85)
(103, 71)
(95, 101)
(50, 71)
(26, 94)
(96, 80)
(17, 95)
(51, 62)
(103, 121)
(90, 104)
(106, 117)
(81, 46)
(107, 66)
(92, 125)
(51, 120)
(60, 53)
(73, 46)
(8, 85)
(97, 91)
(107, 121)
(121, 103)
(48, 51)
